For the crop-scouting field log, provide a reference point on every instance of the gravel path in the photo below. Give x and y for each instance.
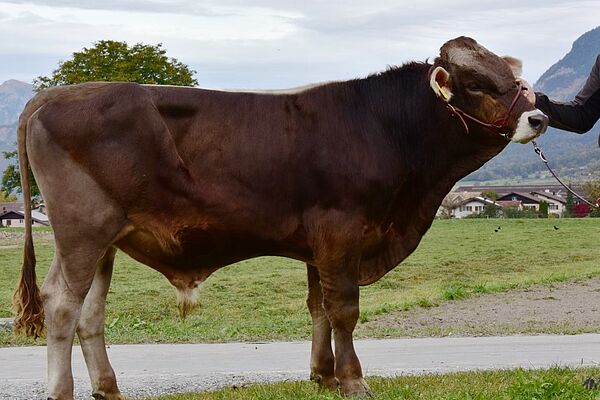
(144, 370)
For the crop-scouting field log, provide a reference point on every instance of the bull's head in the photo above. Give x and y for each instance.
(483, 90)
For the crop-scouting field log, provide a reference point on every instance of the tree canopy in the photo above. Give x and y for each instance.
(107, 60)
(110, 60)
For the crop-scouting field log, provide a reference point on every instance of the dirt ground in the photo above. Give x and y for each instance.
(15, 238)
(561, 308)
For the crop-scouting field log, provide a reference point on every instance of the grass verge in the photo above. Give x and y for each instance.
(264, 298)
(519, 384)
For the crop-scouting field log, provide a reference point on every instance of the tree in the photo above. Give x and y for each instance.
(7, 199)
(569, 205)
(107, 60)
(592, 189)
(543, 211)
(491, 211)
(581, 210)
(490, 194)
(11, 180)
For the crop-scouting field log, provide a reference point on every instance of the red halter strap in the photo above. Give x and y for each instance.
(497, 125)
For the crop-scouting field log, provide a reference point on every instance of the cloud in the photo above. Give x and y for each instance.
(289, 41)
(125, 5)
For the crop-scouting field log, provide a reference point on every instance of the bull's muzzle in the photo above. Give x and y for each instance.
(538, 122)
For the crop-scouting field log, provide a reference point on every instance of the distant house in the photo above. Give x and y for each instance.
(527, 200)
(470, 205)
(510, 204)
(556, 204)
(556, 190)
(17, 218)
(10, 206)
(460, 203)
(452, 201)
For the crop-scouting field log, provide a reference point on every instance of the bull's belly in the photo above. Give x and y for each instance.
(194, 255)
(188, 258)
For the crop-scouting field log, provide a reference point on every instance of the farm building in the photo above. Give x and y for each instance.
(14, 218)
(471, 205)
(461, 203)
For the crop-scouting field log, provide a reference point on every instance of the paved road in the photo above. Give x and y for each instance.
(162, 368)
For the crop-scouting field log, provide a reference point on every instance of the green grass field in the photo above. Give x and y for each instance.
(552, 384)
(264, 298)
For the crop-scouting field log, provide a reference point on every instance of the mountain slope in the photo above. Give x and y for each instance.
(13, 97)
(574, 157)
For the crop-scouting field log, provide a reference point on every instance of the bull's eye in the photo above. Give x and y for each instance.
(474, 87)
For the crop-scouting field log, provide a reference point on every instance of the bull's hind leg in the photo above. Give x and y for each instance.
(64, 291)
(91, 332)
(321, 356)
(86, 221)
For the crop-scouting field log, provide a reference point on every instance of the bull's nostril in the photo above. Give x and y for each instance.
(538, 122)
(535, 121)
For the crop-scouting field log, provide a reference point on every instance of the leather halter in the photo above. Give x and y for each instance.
(498, 125)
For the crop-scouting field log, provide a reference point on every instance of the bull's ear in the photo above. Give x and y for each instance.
(439, 82)
(515, 65)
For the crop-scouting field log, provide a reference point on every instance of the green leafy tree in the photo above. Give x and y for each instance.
(490, 194)
(491, 211)
(514, 212)
(107, 60)
(7, 199)
(592, 189)
(11, 180)
(543, 210)
(569, 205)
(110, 60)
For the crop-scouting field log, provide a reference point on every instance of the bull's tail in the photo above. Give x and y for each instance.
(26, 299)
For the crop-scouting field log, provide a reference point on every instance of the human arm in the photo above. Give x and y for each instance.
(578, 115)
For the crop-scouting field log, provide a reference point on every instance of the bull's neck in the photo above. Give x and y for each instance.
(433, 150)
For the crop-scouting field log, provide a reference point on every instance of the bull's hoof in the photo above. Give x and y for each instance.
(107, 396)
(355, 388)
(325, 382)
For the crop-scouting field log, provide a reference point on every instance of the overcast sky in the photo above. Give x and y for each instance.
(286, 43)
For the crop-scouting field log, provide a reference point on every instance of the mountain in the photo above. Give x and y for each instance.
(573, 157)
(13, 96)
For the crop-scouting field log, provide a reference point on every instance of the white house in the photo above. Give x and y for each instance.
(16, 218)
(556, 204)
(471, 205)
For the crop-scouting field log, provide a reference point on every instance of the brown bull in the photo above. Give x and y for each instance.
(345, 176)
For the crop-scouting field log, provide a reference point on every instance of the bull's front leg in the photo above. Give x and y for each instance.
(321, 355)
(341, 305)
(338, 262)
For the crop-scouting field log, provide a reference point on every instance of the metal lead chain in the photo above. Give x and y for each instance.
(540, 153)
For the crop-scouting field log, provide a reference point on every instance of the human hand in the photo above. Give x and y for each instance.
(527, 91)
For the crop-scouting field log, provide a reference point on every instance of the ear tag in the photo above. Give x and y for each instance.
(444, 95)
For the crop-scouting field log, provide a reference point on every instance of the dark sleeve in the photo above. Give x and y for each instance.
(579, 115)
